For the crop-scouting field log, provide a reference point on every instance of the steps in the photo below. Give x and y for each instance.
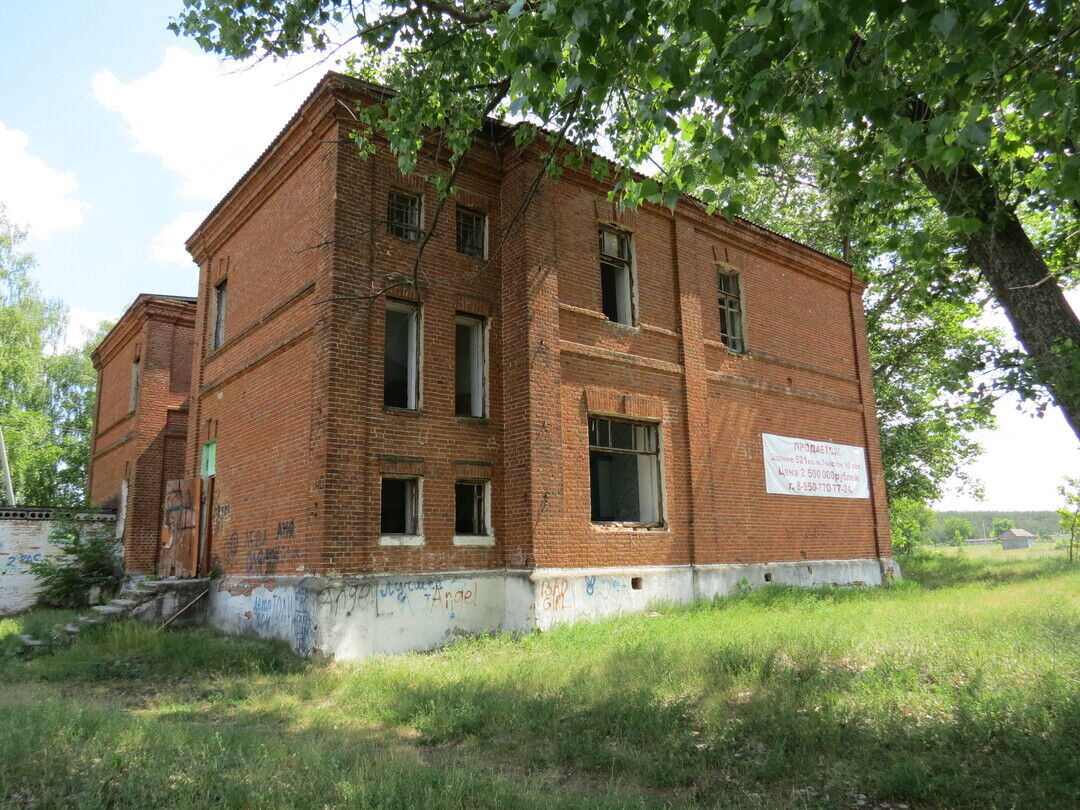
(147, 599)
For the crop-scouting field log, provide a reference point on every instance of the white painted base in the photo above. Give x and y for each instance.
(357, 617)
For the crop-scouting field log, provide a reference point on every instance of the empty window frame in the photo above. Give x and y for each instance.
(470, 366)
(221, 302)
(617, 276)
(471, 508)
(401, 369)
(471, 232)
(403, 215)
(624, 471)
(400, 507)
(136, 379)
(731, 321)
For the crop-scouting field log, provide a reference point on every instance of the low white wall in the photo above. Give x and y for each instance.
(24, 538)
(372, 615)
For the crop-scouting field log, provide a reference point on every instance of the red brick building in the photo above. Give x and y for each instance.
(140, 419)
(572, 413)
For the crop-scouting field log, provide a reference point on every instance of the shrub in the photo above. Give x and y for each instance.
(85, 557)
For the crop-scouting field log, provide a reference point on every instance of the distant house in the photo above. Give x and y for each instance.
(980, 541)
(1016, 538)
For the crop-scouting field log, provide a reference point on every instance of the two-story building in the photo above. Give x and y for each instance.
(574, 410)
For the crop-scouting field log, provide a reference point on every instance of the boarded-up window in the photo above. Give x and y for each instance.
(731, 328)
(624, 471)
(209, 458)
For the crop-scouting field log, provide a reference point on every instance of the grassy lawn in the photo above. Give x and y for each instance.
(960, 687)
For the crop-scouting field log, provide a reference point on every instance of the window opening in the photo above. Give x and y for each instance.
(731, 331)
(403, 217)
(401, 367)
(400, 506)
(471, 232)
(624, 471)
(136, 379)
(220, 303)
(469, 372)
(616, 276)
(471, 508)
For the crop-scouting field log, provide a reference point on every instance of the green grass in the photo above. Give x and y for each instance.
(960, 687)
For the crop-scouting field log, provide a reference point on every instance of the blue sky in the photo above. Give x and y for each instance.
(116, 137)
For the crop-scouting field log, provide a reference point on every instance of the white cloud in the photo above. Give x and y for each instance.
(168, 245)
(37, 196)
(206, 121)
(81, 324)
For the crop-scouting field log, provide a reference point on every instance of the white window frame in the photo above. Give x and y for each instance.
(486, 539)
(739, 298)
(660, 480)
(626, 293)
(480, 365)
(416, 537)
(413, 361)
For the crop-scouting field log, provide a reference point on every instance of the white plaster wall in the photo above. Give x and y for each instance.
(23, 541)
(360, 616)
(568, 595)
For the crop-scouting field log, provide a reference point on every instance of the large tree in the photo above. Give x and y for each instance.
(46, 394)
(972, 101)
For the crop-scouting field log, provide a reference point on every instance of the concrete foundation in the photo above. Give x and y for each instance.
(356, 617)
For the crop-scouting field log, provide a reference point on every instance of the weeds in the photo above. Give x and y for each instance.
(958, 690)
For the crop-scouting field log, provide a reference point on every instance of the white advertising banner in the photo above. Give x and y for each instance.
(805, 467)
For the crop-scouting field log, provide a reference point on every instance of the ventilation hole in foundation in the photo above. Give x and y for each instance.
(809, 570)
(636, 583)
(768, 577)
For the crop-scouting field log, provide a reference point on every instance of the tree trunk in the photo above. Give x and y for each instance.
(1019, 279)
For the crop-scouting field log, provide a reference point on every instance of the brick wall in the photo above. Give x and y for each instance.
(294, 397)
(145, 444)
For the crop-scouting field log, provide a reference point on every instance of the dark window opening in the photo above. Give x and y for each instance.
(403, 217)
(624, 471)
(401, 362)
(616, 276)
(636, 583)
(471, 232)
(469, 366)
(470, 498)
(220, 302)
(399, 506)
(731, 331)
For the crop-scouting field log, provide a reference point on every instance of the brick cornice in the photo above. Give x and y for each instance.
(146, 307)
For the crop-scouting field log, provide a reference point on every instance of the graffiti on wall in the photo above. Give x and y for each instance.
(424, 596)
(555, 594)
(288, 615)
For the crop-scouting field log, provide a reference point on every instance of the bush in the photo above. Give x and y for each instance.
(85, 557)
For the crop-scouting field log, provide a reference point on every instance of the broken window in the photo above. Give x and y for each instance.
(136, 378)
(731, 331)
(403, 217)
(400, 506)
(471, 508)
(471, 232)
(469, 372)
(624, 471)
(616, 276)
(220, 299)
(401, 369)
